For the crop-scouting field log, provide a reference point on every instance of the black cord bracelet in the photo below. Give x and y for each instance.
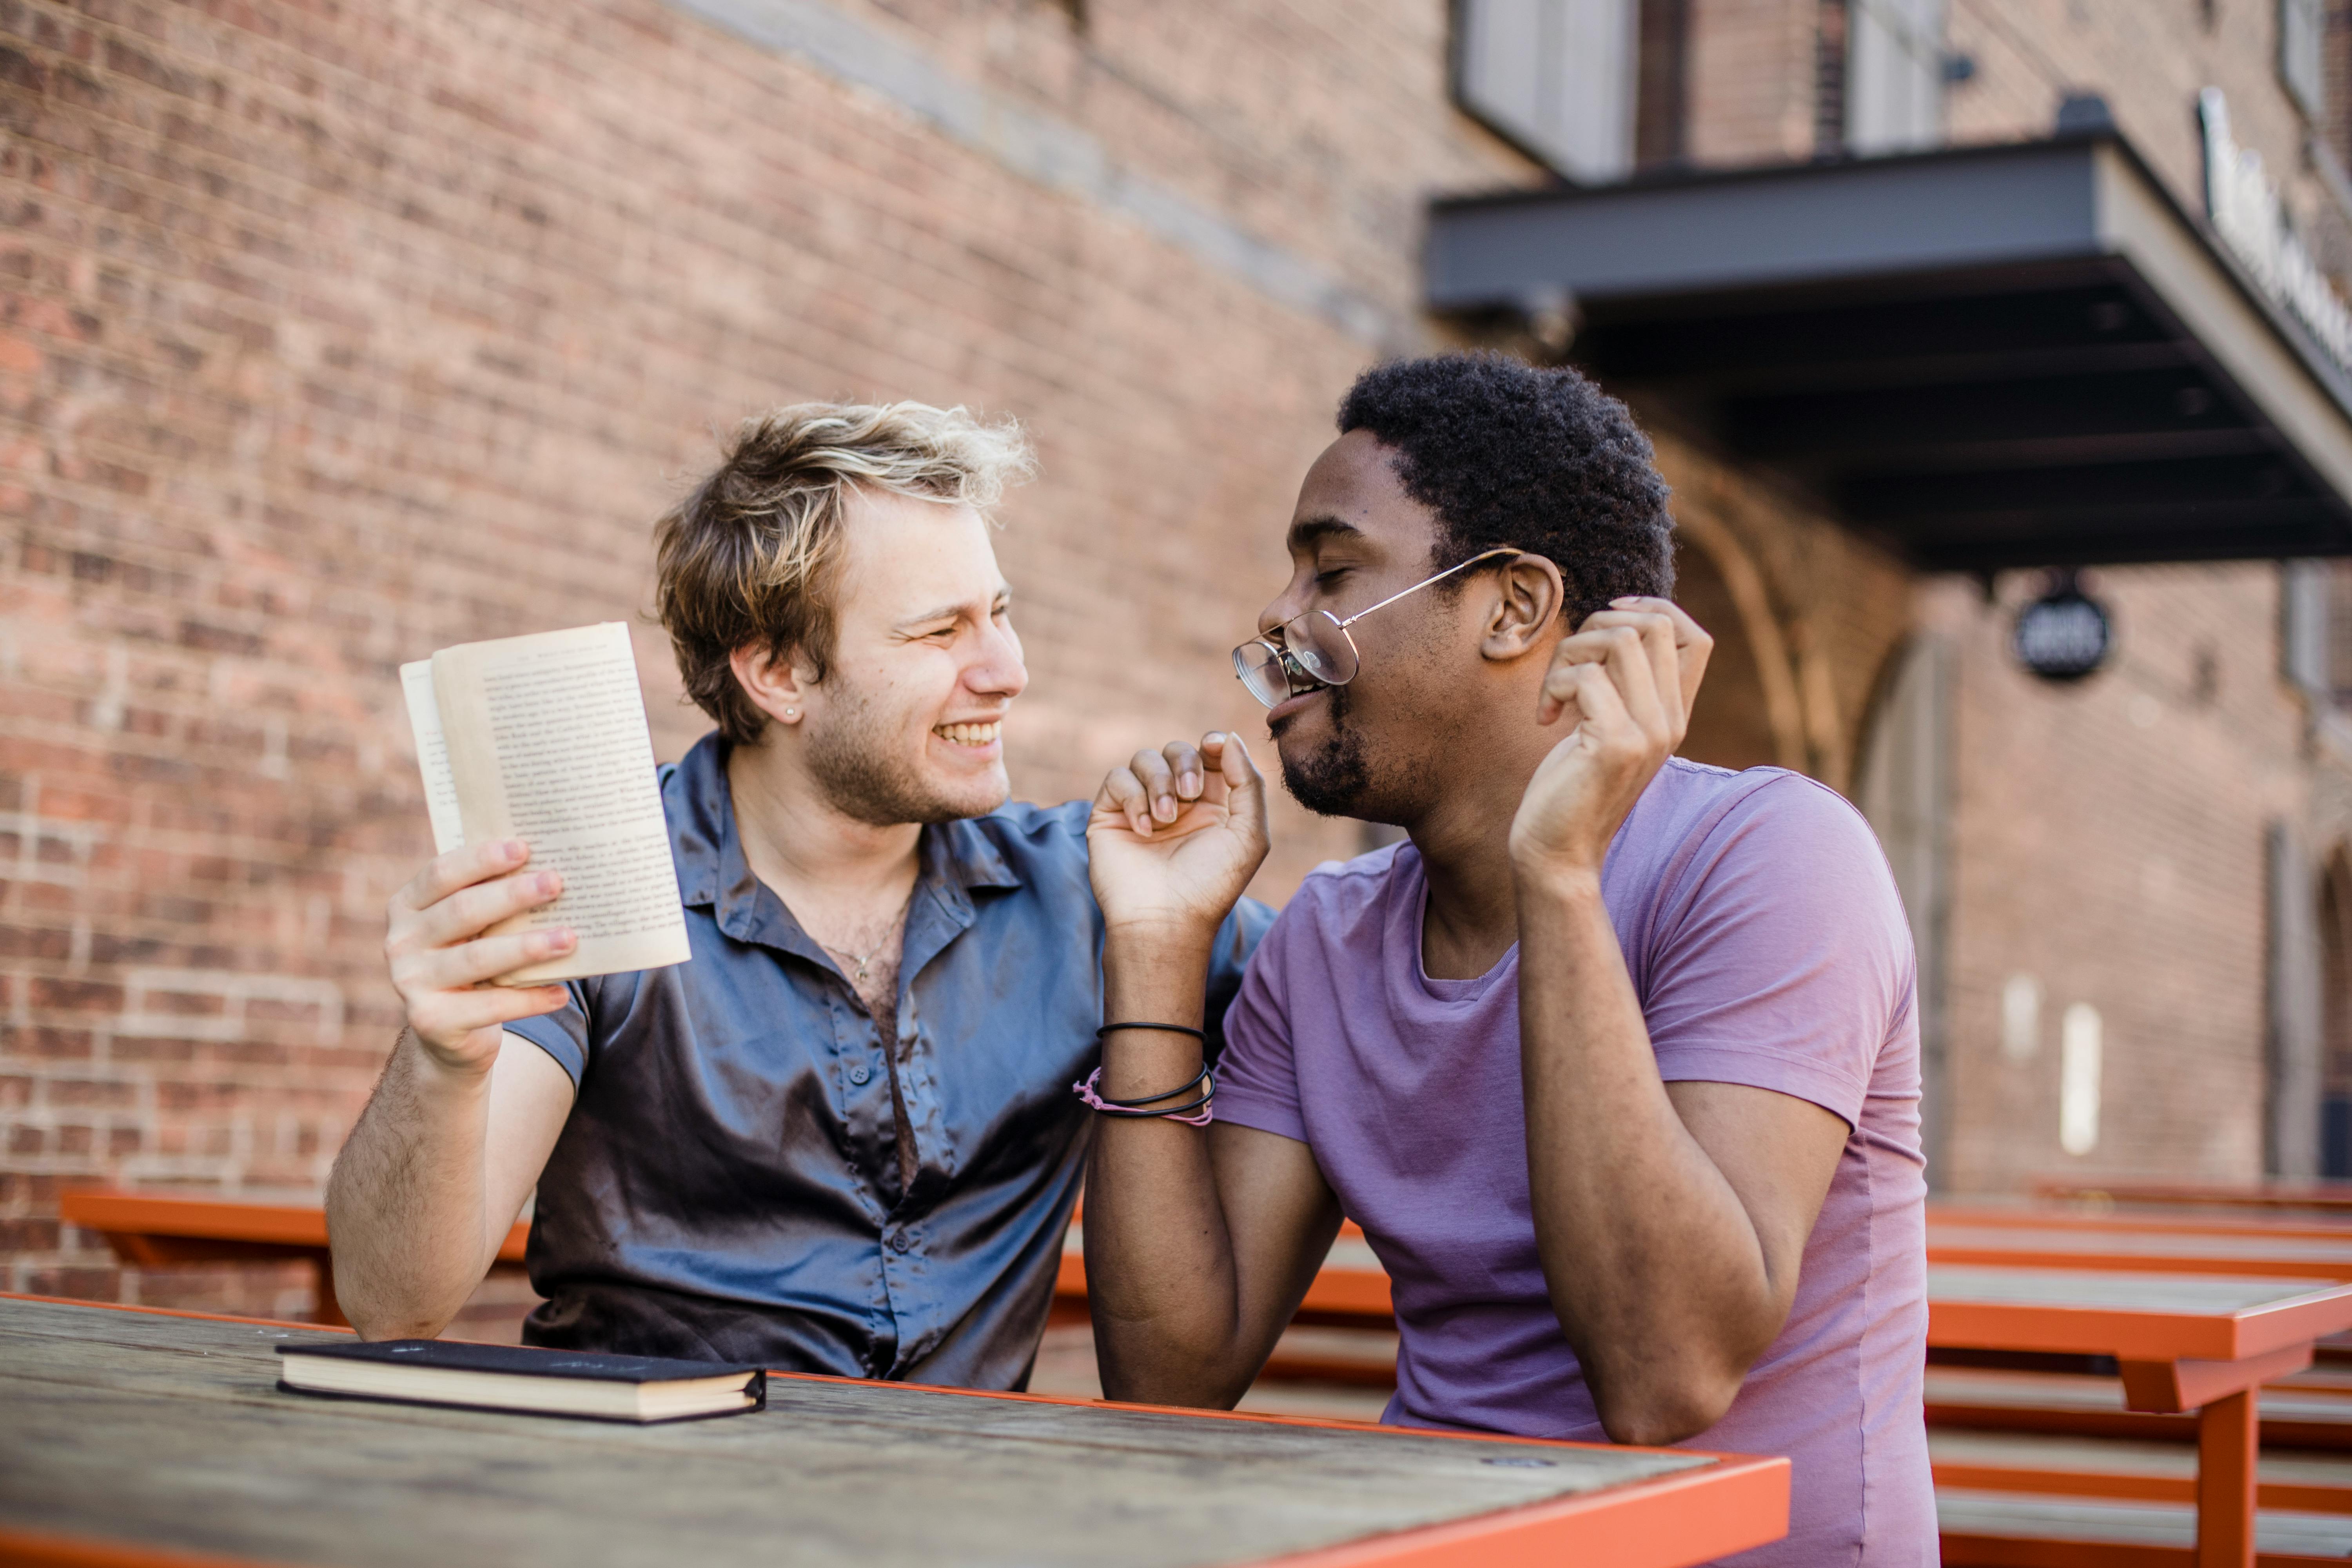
(1171, 1028)
(1172, 1110)
(1195, 1081)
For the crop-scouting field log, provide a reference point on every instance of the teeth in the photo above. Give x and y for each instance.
(969, 734)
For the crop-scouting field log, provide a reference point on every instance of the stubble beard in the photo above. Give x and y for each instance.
(853, 760)
(1334, 779)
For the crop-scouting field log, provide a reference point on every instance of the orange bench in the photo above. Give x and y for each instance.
(155, 1230)
(2317, 1197)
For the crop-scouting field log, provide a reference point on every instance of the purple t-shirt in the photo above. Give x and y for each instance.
(1768, 945)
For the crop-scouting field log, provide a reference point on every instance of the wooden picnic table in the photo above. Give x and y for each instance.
(155, 1230)
(133, 1436)
(2185, 1343)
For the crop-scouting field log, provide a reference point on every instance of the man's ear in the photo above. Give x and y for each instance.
(1525, 616)
(775, 682)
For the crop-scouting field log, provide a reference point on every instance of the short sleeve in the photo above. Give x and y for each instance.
(1780, 958)
(1237, 939)
(1257, 1078)
(562, 1034)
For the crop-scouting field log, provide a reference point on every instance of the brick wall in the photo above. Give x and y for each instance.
(1752, 80)
(330, 335)
(2108, 842)
(2148, 58)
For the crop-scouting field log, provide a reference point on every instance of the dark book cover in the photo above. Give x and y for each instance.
(525, 1361)
(529, 1362)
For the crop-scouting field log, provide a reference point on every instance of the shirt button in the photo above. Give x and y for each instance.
(860, 1073)
(899, 1242)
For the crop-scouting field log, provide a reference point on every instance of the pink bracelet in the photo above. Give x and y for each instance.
(1207, 1112)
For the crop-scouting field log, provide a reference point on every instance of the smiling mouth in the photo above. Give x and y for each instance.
(1284, 711)
(970, 734)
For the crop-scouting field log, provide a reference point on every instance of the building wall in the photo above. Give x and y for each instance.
(330, 335)
(1752, 80)
(2108, 839)
(2107, 843)
(2148, 58)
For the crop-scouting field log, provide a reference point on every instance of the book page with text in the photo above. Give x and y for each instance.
(547, 743)
(431, 757)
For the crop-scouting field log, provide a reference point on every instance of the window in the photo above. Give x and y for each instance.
(1895, 74)
(2302, 58)
(1554, 76)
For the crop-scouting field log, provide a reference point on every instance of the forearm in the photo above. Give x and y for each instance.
(1654, 1267)
(406, 1205)
(1161, 1273)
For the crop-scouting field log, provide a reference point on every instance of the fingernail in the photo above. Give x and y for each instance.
(1190, 784)
(1213, 738)
(561, 941)
(549, 883)
(511, 849)
(1164, 808)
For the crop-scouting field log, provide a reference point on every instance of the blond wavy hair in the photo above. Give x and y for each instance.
(752, 555)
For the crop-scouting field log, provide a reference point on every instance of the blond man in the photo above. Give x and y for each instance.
(842, 1138)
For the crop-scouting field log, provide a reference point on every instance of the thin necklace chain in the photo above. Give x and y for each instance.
(862, 959)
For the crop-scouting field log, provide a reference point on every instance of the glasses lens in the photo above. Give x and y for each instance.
(1320, 645)
(1260, 668)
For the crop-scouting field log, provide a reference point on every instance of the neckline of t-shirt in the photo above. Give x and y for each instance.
(1437, 990)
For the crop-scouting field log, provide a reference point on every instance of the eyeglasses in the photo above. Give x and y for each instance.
(1315, 649)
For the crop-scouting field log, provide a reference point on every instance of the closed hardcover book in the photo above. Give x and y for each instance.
(520, 1378)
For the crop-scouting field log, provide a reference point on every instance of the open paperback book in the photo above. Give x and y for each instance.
(543, 738)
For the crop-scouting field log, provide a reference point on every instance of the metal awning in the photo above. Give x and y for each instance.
(1986, 357)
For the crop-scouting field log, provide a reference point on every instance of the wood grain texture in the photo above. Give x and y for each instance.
(171, 1431)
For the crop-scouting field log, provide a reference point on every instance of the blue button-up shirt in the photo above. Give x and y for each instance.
(728, 1184)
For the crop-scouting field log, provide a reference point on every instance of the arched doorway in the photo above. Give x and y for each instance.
(1903, 785)
(1747, 713)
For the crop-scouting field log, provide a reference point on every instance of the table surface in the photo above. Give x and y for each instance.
(168, 1430)
(2137, 1316)
(2098, 1241)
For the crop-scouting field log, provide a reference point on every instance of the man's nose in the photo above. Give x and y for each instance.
(1286, 608)
(998, 669)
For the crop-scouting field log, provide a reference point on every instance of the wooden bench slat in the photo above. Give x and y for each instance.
(2007, 1530)
(2122, 1468)
(2292, 1416)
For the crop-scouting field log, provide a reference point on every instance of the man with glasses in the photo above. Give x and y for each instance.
(1615, 1060)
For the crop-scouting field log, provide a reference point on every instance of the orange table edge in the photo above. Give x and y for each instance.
(2186, 1222)
(2137, 1262)
(1744, 1502)
(2137, 1335)
(2329, 1197)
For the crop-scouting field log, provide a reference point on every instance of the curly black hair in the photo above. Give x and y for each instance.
(1507, 454)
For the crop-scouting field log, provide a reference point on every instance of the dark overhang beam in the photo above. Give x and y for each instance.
(2048, 408)
(2117, 490)
(2057, 543)
(1762, 377)
(2032, 347)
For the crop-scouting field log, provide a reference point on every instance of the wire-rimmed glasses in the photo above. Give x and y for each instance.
(1315, 649)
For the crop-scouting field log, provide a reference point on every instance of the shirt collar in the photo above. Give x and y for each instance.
(956, 856)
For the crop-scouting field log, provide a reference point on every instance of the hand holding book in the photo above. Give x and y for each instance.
(541, 740)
